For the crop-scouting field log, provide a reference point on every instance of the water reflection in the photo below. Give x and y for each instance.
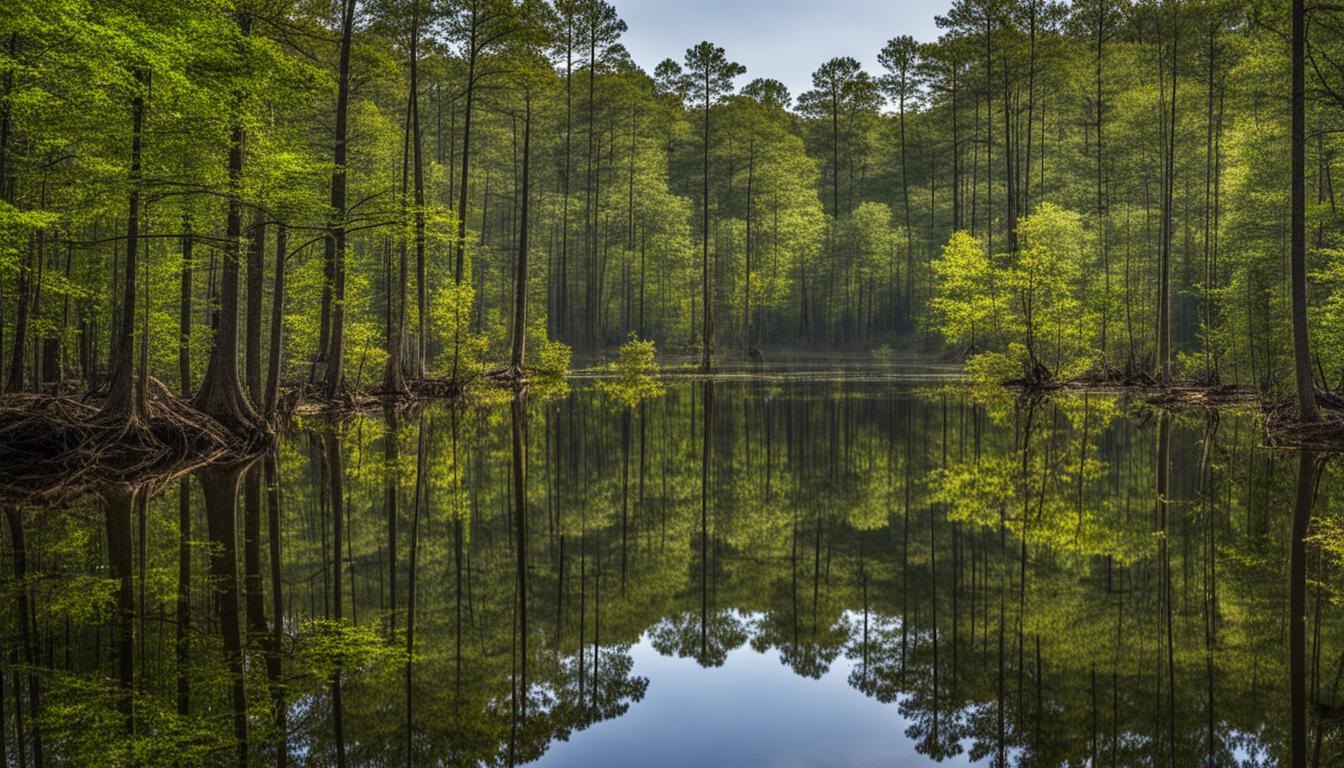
(872, 572)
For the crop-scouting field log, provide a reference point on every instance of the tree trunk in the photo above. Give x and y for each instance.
(272, 476)
(459, 263)
(421, 271)
(746, 291)
(561, 320)
(519, 434)
(118, 503)
(27, 625)
(589, 215)
(1297, 598)
(221, 394)
(707, 341)
(1306, 390)
(16, 361)
(122, 396)
(220, 486)
(184, 313)
(331, 447)
(256, 273)
(332, 343)
(394, 380)
(517, 361)
(277, 323)
(182, 631)
(1168, 187)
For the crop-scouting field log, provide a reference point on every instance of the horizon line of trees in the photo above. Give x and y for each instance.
(370, 192)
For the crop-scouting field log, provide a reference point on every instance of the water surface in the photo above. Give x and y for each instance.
(784, 572)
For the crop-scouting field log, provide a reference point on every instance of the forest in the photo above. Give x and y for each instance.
(1053, 191)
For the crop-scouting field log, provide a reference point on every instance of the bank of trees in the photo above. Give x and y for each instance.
(424, 189)
(1202, 193)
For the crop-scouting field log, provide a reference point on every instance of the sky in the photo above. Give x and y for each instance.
(781, 39)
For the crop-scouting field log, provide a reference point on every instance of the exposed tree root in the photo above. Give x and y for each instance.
(1283, 428)
(432, 387)
(56, 447)
(508, 376)
(1279, 419)
(310, 399)
(1176, 394)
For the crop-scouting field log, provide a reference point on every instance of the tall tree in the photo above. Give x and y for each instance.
(221, 393)
(1306, 389)
(124, 400)
(900, 57)
(842, 92)
(601, 29)
(478, 28)
(709, 77)
(331, 342)
(531, 75)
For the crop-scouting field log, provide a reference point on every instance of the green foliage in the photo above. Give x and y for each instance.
(450, 314)
(636, 369)
(550, 357)
(830, 218)
(1025, 313)
(636, 357)
(325, 647)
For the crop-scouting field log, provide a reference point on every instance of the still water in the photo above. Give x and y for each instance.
(798, 572)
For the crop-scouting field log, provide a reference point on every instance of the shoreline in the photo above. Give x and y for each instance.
(53, 447)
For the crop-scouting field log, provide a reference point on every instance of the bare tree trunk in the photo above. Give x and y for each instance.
(517, 358)
(907, 310)
(1306, 390)
(182, 631)
(459, 263)
(184, 313)
(16, 360)
(122, 397)
(332, 343)
(707, 341)
(117, 505)
(419, 169)
(277, 323)
(256, 273)
(394, 379)
(221, 394)
(220, 485)
(1303, 502)
(1168, 187)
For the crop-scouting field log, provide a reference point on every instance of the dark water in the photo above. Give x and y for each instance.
(782, 573)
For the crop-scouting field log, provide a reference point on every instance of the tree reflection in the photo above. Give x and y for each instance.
(1074, 580)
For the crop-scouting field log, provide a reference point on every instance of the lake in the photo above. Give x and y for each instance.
(784, 571)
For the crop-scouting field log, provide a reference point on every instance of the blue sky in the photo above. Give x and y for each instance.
(783, 39)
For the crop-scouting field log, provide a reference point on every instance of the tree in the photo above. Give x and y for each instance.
(124, 400)
(1306, 388)
(394, 373)
(331, 342)
(601, 29)
(708, 77)
(531, 75)
(221, 393)
(478, 28)
(771, 97)
(842, 96)
(900, 57)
